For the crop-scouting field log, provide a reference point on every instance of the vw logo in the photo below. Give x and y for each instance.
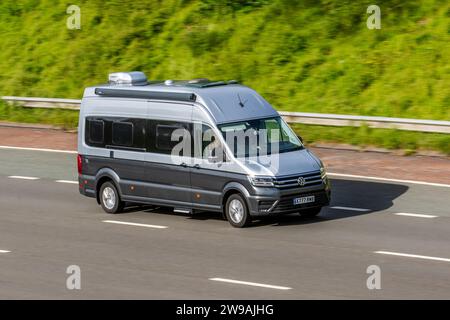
(301, 181)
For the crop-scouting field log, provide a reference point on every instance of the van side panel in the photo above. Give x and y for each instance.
(208, 184)
(167, 179)
(131, 173)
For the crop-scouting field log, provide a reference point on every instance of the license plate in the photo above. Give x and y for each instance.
(304, 200)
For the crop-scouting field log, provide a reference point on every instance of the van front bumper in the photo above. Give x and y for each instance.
(273, 201)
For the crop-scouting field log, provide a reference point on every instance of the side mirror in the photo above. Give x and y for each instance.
(300, 138)
(217, 159)
(213, 159)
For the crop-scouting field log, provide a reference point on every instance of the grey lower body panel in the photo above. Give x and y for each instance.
(172, 203)
(201, 189)
(158, 183)
(87, 186)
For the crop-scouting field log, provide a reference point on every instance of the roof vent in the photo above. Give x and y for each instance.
(200, 80)
(133, 78)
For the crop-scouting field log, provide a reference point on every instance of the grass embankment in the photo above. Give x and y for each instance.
(311, 56)
(410, 142)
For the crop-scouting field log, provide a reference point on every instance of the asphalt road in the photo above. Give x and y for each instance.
(45, 226)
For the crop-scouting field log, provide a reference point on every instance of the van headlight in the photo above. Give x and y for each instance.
(261, 181)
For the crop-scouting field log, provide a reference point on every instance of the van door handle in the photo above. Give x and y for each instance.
(197, 166)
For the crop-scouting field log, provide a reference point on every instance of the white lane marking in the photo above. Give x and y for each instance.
(350, 208)
(38, 149)
(254, 284)
(136, 224)
(23, 178)
(390, 180)
(67, 181)
(413, 256)
(427, 216)
(5, 251)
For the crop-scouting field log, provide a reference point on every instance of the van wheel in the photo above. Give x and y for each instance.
(309, 213)
(110, 199)
(236, 211)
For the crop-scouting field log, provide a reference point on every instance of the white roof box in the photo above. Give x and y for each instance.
(133, 78)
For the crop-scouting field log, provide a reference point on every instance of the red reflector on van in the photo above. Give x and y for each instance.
(80, 164)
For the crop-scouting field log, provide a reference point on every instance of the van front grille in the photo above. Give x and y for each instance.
(287, 182)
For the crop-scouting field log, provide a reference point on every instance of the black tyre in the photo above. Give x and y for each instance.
(110, 198)
(309, 213)
(236, 211)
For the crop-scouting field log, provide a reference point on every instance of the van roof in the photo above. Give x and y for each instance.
(225, 101)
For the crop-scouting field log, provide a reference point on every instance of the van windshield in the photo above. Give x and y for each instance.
(260, 137)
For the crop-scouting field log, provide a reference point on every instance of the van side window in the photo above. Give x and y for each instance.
(163, 137)
(212, 147)
(163, 131)
(113, 132)
(205, 141)
(122, 134)
(95, 131)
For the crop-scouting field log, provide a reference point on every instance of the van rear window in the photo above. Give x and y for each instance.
(96, 131)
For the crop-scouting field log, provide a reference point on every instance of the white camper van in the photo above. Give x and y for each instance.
(194, 145)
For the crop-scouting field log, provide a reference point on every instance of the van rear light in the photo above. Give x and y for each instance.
(80, 163)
